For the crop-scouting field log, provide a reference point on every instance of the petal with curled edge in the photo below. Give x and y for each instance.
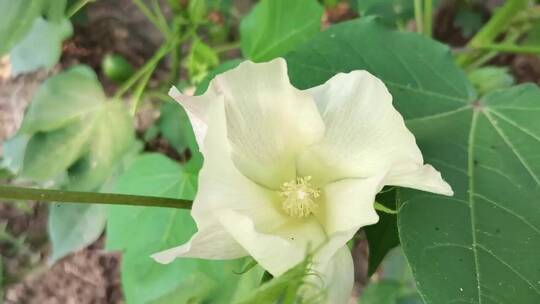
(364, 136)
(223, 187)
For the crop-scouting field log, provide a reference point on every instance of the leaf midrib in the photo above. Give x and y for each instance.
(470, 174)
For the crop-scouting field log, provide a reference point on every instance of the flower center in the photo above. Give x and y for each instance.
(299, 197)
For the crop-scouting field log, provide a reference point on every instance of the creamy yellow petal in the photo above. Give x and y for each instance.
(349, 204)
(268, 120)
(365, 135)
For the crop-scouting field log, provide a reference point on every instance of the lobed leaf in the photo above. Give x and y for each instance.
(480, 245)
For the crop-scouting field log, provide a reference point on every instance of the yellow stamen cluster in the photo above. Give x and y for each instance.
(299, 197)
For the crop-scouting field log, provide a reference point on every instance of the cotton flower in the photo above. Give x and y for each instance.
(288, 171)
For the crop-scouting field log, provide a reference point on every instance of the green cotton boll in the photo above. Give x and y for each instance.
(116, 67)
(490, 78)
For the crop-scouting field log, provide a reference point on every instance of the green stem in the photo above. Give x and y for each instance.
(152, 18)
(159, 14)
(60, 196)
(153, 61)
(175, 54)
(428, 17)
(159, 95)
(383, 208)
(510, 48)
(72, 10)
(499, 22)
(227, 47)
(418, 16)
(149, 65)
(140, 89)
(511, 37)
(496, 25)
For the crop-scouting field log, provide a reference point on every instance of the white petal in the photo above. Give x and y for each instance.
(365, 135)
(338, 277)
(424, 178)
(223, 187)
(349, 204)
(268, 120)
(197, 108)
(275, 251)
(213, 243)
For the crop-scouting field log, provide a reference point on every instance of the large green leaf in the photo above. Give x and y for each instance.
(71, 138)
(275, 27)
(73, 130)
(26, 57)
(144, 280)
(488, 234)
(16, 21)
(482, 244)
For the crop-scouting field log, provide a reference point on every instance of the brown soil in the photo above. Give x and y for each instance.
(88, 277)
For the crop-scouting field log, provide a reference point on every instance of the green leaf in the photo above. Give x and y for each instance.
(71, 138)
(48, 155)
(143, 279)
(14, 149)
(72, 127)
(383, 236)
(487, 152)
(63, 99)
(111, 137)
(274, 27)
(26, 57)
(15, 24)
(480, 245)
(175, 126)
(73, 226)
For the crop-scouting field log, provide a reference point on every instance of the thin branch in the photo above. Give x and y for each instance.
(13, 193)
